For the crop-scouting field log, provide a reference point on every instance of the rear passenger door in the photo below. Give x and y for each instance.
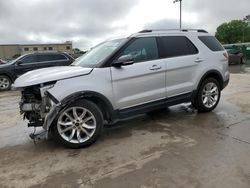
(181, 59)
(60, 60)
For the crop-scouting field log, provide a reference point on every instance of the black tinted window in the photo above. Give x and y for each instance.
(29, 59)
(211, 42)
(142, 49)
(51, 57)
(59, 57)
(177, 46)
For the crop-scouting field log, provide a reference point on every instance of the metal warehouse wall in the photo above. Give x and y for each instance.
(8, 51)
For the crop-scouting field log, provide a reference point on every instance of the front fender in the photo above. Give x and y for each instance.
(60, 105)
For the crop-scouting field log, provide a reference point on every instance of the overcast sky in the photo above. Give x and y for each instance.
(88, 22)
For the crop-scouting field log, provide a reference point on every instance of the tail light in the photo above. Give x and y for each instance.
(225, 55)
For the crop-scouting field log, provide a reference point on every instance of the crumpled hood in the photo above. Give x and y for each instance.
(49, 74)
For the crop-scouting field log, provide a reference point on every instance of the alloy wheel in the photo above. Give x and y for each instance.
(76, 125)
(4, 83)
(210, 95)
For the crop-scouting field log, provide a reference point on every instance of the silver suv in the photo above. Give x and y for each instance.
(119, 78)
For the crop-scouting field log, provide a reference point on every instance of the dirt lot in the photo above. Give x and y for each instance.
(173, 148)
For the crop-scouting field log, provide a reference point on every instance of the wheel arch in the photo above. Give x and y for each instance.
(8, 75)
(100, 100)
(212, 74)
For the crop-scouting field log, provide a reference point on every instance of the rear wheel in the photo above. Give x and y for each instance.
(78, 125)
(5, 83)
(243, 60)
(208, 95)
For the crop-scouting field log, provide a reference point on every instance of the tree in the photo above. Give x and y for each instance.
(247, 19)
(233, 32)
(78, 51)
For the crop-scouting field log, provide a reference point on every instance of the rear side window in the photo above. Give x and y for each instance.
(51, 57)
(59, 57)
(211, 42)
(177, 46)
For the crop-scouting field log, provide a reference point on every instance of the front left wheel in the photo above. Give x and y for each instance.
(5, 83)
(78, 125)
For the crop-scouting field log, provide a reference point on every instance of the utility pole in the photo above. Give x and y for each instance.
(175, 1)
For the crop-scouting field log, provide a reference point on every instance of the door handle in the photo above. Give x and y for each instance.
(198, 60)
(155, 67)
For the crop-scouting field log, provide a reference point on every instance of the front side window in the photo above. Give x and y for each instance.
(174, 46)
(29, 59)
(142, 49)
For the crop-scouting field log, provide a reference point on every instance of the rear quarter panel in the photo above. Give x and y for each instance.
(212, 60)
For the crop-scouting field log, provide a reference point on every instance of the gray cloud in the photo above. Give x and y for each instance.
(163, 24)
(59, 20)
(210, 14)
(214, 12)
(84, 21)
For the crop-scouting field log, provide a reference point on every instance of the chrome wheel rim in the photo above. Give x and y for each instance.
(210, 95)
(4, 83)
(76, 125)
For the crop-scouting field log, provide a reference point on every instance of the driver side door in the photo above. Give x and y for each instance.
(143, 81)
(27, 63)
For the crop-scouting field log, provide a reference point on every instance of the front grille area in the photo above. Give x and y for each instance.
(31, 95)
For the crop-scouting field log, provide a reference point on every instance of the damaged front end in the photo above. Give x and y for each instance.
(38, 106)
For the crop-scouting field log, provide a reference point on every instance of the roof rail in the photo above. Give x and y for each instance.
(145, 31)
(197, 30)
(183, 30)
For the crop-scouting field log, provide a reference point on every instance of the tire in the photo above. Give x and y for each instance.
(212, 96)
(73, 130)
(5, 83)
(243, 60)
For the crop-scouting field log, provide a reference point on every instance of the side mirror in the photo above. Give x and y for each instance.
(19, 63)
(124, 60)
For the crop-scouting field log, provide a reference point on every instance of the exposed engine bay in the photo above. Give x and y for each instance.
(35, 104)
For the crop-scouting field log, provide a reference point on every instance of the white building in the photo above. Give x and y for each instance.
(10, 51)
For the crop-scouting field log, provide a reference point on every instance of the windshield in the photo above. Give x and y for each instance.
(98, 54)
(17, 59)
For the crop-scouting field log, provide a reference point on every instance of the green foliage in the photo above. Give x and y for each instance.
(235, 31)
(78, 51)
(247, 18)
